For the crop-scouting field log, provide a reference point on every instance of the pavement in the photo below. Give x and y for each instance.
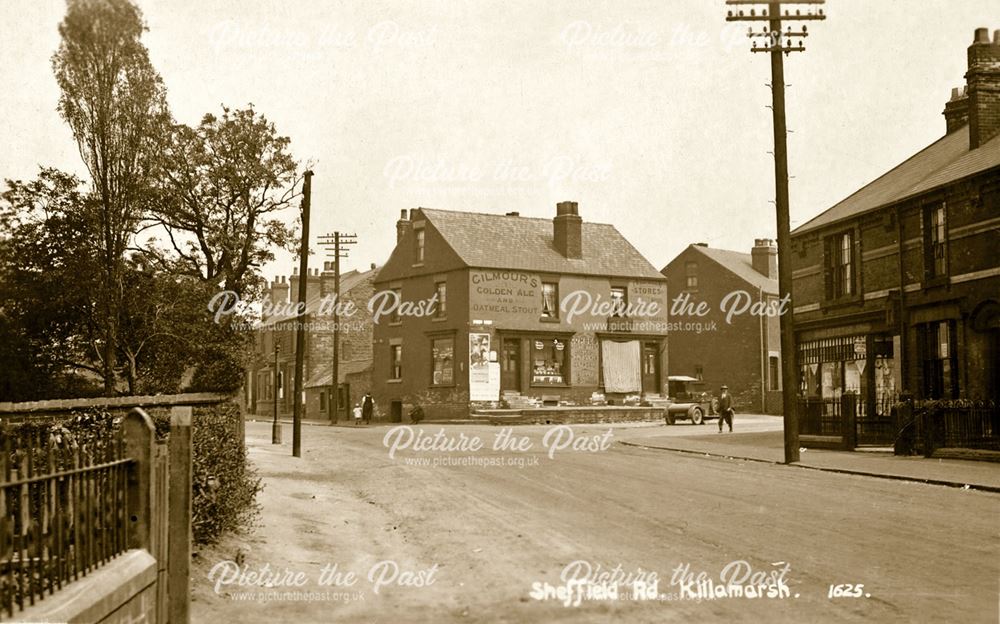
(768, 446)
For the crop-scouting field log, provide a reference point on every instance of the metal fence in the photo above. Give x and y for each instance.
(63, 509)
(819, 416)
(960, 424)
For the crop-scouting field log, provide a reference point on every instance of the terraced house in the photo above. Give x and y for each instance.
(897, 287)
(500, 306)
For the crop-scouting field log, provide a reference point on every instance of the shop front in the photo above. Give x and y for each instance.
(862, 367)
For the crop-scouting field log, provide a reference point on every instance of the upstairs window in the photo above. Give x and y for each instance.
(418, 247)
(550, 300)
(691, 275)
(396, 361)
(619, 300)
(935, 241)
(838, 255)
(441, 310)
(394, 314)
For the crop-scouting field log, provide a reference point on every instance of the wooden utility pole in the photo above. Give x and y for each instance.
(300, 332)
(338, 240)
(275, 391)
(779, 43)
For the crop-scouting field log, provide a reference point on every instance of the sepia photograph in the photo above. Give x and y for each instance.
(441, 311)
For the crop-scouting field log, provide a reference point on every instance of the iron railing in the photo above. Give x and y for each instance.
(63, 509)
(925, 426)
(819, 416)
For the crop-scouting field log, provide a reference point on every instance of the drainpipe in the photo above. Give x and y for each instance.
(903, 363)
(763, 356)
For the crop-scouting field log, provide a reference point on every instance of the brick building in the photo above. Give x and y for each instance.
(495, 305)
(742, 351)
(355, 352)
(897, 287)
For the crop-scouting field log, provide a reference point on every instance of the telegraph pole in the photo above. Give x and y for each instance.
(778, 43)
(275, 426)
(338, 241)
(300, 333)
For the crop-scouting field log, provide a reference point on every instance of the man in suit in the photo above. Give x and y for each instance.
(367, 407)
(725, 408)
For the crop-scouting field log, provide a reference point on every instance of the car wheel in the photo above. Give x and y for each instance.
(697, 417)
(714, 406)
(669, 418)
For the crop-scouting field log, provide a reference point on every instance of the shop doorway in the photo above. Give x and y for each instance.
(650, 368)
(510, 368)
(396, 411)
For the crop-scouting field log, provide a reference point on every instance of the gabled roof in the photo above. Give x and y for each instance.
(325, 373)
(945, 161)
(526, 244)
(347, 282)
(741, 265)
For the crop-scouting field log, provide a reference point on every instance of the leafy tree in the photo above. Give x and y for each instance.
(50, 343)
(222, 184)
(114, 102)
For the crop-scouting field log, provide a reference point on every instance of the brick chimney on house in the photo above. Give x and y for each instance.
(956, 111)
(983, 80)
(313, 284)
(402, 226)
(567, 230)
(328, 282)
(764, 257)
(279, 291)
(293, 281)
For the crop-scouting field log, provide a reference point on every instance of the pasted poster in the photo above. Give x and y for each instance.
(483, 386)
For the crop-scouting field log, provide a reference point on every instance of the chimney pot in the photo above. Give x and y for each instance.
(373, 266)
(402, 215)
(982, 35)
(514, 214)
(996, 37)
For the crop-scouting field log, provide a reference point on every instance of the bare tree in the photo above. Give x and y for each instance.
(114, 102)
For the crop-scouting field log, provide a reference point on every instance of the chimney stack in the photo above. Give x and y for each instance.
(983, 80)
(279, 291)
(956, 111)
(567, 230)
(327, 283)
(312, 284)
(402, 226)
(764, 257)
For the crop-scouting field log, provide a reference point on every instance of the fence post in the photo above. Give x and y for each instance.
(849, 421)
(179, 540)
(139, 441)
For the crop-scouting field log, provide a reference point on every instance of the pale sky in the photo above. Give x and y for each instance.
(651, 114)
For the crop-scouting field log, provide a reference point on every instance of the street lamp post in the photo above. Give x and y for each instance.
(779, 43)
(276, 426)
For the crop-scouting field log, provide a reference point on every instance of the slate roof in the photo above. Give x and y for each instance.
(740, 264)
(347, 282)
(325, 372)
(945, 161)
(526, 244)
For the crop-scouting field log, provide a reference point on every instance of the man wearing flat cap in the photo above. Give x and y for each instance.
(725, 408)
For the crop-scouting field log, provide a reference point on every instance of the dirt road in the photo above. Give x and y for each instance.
(448, 539)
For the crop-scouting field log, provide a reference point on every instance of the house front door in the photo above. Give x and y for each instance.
(510, 366)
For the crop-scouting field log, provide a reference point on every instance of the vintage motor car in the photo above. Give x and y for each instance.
(690, 399)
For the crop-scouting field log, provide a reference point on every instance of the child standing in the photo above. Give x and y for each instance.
(357, 414)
